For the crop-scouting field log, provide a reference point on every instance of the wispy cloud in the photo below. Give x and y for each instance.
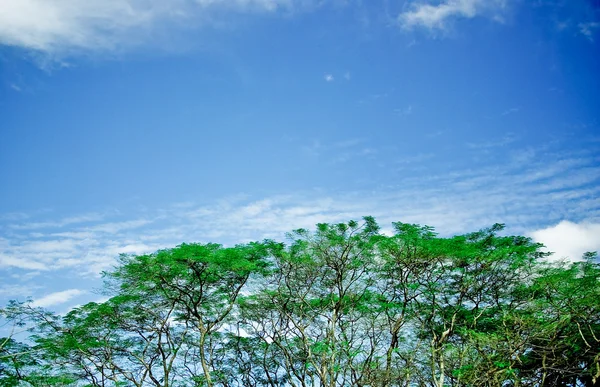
(314, 149)
(59, 26)
(340, 151)
(404, 111)
(437, 17)
(354, 154)
(31, 264)
(348, 143)
(415, 159)
(16, 290)
(562, 25)
(530, 192)
(57, 298)
(587, 29)
(374, 97)
(507, 139)
(329, 78)
(83, 218)
(14, 216)
(435, 134)
(511, 111)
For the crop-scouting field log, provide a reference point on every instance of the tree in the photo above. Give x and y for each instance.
(201, 282)
(313, 316)
(341, 305)
(566, 308)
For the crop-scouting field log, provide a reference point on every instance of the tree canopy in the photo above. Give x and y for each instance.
(343, 305)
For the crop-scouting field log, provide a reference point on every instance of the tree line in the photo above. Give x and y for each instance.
(342, 305)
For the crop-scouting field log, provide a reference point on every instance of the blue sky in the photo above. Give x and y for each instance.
(127, 126)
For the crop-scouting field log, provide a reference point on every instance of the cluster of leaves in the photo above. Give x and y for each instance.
(343, 305)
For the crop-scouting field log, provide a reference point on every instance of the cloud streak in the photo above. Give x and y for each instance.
(437, 17)
(57, 298)
(587, 29)
(60, 26)
(532, 190)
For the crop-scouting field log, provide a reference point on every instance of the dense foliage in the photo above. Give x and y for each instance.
(343, 305)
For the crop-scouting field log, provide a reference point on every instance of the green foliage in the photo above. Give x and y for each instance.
(338, 306)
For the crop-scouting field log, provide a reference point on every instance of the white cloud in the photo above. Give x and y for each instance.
(509, 138)
(349, 143)
(115, 227)
(405, 111)
(415, 159)
(57, 298)
(59, 26)
(562, 25)
(437, 16)
(22, 263)
(587, 29)
(532, 187)
(510, 111)
(328, 78)
(84, 218)
(569, 240)
(15, 290)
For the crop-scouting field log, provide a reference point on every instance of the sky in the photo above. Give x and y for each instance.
(128, 126)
